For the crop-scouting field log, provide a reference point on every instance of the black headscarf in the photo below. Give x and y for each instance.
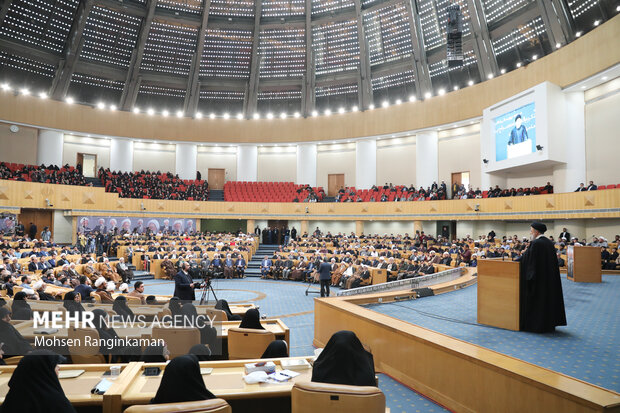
(344, 361)
(251, 319)
(14, 343)
(182, 382)
(34, 386)
(70, 304)
(276, 349)
(174, 306)
(223, 305)
(121, 308)
(208, 334)
(201, 351)
(153, 354)
(105, 332)
(21, 309)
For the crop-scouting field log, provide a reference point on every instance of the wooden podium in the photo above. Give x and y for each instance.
(583, 264)
(498, 293)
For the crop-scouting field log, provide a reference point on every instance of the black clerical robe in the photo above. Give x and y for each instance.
(542, 303)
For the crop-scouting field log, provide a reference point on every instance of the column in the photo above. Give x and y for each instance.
(49, 147)
(249, 228)
(359, 227)
(426, 164)
(247, 163)
(567, 176)
(304, 228)
(417, 226)
(185, 165)
(365, 164)
(121, 155)
(306, 164)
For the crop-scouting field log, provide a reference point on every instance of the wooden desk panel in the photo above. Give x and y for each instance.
(498, 294)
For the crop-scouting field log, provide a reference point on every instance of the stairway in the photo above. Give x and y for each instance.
(253, 269)
(216, 195)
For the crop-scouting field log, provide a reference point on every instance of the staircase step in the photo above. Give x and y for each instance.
(142, 275)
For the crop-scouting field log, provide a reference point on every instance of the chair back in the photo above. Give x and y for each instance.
(178, 339)
(201, 406)
(312, 397)
(248, 343)
(83, 354)
(216, 315)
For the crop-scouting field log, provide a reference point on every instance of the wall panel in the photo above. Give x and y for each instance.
(396, 161)
(80, 144)
(154, 157)
(20, 147)
(335, 159)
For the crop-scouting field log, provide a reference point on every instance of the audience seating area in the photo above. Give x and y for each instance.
(242, 191)
(154, 185)
(67, 175)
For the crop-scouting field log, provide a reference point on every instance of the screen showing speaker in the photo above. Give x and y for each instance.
(515, 133)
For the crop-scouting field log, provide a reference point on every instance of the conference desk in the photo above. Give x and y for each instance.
(225, 381)
(76, 389)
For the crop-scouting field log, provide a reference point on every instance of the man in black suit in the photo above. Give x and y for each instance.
(32, 231)
(591, 186)
(325, 277)
(564, 234)
(581, 188)
(184, 285)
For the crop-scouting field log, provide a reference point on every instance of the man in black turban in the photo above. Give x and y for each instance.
(542, 303)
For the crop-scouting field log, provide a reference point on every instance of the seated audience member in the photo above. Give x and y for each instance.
(14, 343)
(83, 289)
(34, 386)
(591, 186)
(20, 309)
(276, 349)
(155, 354)
(251, 319)
(72, 303)
(117, 353)
(39, 289)
(102, 291)
(201, 351)
(581, 188)
(223, 305)
(265, 267)
(208, 334)
(122, 309)
(138, 291)
(344, 361)
(182, 382)
(124, 271)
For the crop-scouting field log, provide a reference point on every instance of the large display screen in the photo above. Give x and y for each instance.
(515, 133)
(88, 224)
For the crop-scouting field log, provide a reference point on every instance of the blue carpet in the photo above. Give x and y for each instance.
(587, 348)
(401, 399)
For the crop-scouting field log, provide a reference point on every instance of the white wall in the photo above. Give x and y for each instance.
(306, 164)
(528, 179)
(277, 164)
(346, 227)
(154, 157)
(19, 147)
(80, 144)
(247, 167)
(602, 148)
(459, 151)
(336, 159)
(388, 227)
(217, 157)
(366, 163)
(63, 227)
(49, 147)
(396, 161)
(185, 160)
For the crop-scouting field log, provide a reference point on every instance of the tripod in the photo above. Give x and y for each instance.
(207, 289)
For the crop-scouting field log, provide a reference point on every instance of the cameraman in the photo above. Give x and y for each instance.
(184, 285)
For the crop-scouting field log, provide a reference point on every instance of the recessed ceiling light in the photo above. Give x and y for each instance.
(270, 115)
(578, 34)
(604, 78)
(69, 100)
(455, 88)
(315, 113)
(371, 106)
(385, 103)
(282, 115)
(596, 22)
(150, 111)
(25, 91)
(340, 110)
(328, 112)
(490, 76)
(502, 71)
(297, 114)
(256, 116)
(399, 101)
(427, 95)
(100, 105)
(470, 82)
(6, 86)
(112, 107)
(518, 64)
(558, 45)
(211, 115)
(179, 113)
(239, 115)
(535, 57)
(43, 95)
(165, 113)
(226, 115)
(198, 115)
(583, 87)
(136, 110)
(412, 98)
(441, 92)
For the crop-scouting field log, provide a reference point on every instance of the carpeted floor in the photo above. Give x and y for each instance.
(588, 348)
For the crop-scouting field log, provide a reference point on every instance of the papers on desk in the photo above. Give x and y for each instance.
(45, 331)
(297, 364)
(70, 374)
(279, 377)
(101, 387)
